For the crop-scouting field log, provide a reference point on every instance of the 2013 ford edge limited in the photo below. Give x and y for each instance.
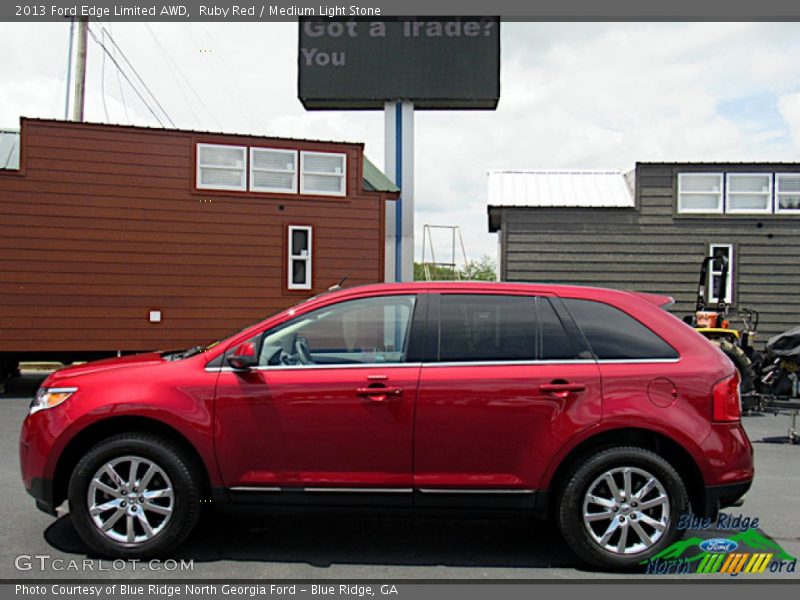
(593, 407)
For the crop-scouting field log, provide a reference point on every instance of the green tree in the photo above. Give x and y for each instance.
(482, 269)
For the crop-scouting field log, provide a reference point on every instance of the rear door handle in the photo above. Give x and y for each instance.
(562, 390)
(379, 393)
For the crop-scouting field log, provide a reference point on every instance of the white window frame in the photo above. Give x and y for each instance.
(198, 167)
(343, 187)
(778, 194)
(712, 272)
(681, 193)
(254, 169)
(747, 211)
(307, 258)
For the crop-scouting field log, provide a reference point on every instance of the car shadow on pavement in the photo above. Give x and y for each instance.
(322, 540)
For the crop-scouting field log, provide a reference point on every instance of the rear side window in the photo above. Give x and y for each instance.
(490, 327)
(483, 327)
(613, 334)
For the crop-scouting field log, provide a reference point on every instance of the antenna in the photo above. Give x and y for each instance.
(338, 286)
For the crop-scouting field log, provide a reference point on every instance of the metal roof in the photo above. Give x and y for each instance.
(9, 149)
(177, 130)
(375, 180)
(559, 188)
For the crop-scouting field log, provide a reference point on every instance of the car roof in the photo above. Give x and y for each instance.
(577, 291)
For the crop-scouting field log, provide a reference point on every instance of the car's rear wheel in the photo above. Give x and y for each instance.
(620, 507)
(134, 495)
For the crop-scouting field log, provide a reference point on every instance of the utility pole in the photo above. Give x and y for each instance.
(69, 67)
(80, 70)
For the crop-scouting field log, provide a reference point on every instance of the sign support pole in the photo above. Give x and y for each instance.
(399, 167)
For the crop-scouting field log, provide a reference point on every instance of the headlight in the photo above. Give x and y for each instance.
(50, 397)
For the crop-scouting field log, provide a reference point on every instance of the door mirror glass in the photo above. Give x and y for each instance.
(244, 356)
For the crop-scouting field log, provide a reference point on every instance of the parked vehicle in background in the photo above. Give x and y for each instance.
(589, 406)
(714, 323)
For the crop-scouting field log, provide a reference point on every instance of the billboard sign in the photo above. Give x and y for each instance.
(438, 63)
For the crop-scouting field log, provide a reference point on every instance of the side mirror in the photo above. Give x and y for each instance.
(244, 356)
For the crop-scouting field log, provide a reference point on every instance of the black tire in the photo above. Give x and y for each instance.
(570, 508)
(183, 480)
(742, 363)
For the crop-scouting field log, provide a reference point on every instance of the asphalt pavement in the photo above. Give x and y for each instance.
(254, 544)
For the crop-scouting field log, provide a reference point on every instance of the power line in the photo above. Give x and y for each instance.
(121, 93)
(139, 77)
(168, 59)
(230, 72)
(121, 72)
(103, 82)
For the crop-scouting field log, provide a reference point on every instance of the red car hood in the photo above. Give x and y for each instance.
(134, 360)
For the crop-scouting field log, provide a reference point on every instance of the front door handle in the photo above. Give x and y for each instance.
(562, 390)
(379, 393)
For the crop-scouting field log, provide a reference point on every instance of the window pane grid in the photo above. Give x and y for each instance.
(788, 192)
(221, 167)
(715, 272)
(273, 170)
(749, 192)
(323, 173)
(700, 192)
(299, 257)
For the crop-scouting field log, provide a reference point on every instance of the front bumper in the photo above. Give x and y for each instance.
(35, 443)
(42, 492)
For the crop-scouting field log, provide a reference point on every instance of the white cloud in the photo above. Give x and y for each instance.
(789, 105)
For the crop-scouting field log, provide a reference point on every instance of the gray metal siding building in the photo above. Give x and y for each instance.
(656, 245)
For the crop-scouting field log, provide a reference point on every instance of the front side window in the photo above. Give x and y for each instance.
(299, 261)
(787, 192)
(720, 252)
(749, 193)
(615, 335)
(365, 331)
(221, 167)
(700, 193)
(323, 173)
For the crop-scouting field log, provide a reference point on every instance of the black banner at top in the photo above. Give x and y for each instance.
(510, 10)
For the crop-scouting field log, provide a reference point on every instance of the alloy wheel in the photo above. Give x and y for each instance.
(130, 499)
(626, 510)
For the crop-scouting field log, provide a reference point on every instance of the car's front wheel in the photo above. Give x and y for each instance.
(620, 507)
(134, 495)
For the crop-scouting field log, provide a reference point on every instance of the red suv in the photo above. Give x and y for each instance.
(593, 407)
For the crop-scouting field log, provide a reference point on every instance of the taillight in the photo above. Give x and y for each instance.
(725, 401)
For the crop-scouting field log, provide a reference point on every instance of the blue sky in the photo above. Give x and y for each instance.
(587, 95)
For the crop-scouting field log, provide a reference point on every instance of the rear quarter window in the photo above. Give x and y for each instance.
(615, 335)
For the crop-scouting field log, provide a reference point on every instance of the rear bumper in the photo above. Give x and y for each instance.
(723, 496)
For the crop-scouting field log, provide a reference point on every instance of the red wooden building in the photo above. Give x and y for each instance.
(118, 238)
